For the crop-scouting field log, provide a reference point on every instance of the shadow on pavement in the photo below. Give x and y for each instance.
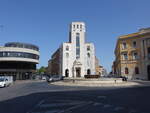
(128, 98)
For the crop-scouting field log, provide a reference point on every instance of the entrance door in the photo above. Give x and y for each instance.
(88, 72)
(78, 72)
(67, 73)
(148, 72)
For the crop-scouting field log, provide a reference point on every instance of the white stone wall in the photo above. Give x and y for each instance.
(67, 62)
(90, 61)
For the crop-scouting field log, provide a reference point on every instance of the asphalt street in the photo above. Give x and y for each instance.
(41, 97)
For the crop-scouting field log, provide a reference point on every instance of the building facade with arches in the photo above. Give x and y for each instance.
(76, 57)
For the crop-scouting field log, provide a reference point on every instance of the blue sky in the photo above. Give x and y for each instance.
(46, 23)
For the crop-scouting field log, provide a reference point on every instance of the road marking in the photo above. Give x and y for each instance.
(36, 106)
(98, 104)
(132, 111)
(107, 106)
(41, 102)
(102, 97)
(118, 108)
(52, 111)
(74, 107)
(59, 104)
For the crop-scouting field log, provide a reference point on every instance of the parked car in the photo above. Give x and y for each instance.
(44, 78)
(4, 82)
(54, 78)
(124, 78)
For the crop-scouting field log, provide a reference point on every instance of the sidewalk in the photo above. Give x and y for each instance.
(99, 83)
(25, 81)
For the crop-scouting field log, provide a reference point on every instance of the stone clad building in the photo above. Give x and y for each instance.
(133, 55)
(75, 58)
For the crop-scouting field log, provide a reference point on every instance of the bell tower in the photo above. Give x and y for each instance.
(77, 28)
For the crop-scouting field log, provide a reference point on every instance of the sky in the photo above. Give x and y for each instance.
(45, 23)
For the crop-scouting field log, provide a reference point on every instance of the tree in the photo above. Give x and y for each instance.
(41, 70)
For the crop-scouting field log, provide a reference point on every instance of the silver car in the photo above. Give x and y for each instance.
(55, 78)
(4, 82)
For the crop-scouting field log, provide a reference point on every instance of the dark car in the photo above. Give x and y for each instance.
(124, 78)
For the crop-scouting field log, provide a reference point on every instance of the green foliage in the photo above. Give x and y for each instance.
(41, 70)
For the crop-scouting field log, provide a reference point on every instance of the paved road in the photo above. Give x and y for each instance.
(39, 97)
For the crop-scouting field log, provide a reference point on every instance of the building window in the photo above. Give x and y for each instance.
(73, 26)
(77, 53)
(126, 71)
(77, 26)
(19, 54)
(135, 56)
(67, 55)
(134, 44)
(88, 54)
(125, 56)
(77, 41)
(80, 26)
(136, 70)
(88, 48)
(67, 48)
(77, 45)
(124, 45)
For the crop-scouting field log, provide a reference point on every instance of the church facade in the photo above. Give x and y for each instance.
(76, 57)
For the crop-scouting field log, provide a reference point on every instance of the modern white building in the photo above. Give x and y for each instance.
(75, 58)
(18, 60)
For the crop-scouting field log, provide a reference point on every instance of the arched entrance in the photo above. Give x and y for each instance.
(88, 72)
(78, 72)
(148, 72)
(67, 73)
(77, 68)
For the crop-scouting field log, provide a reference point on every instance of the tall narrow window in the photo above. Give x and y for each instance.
(134, 44)
(88, 54)
(67, 48)
(88, 48)
(126, 71)
(125, 56)
(77, 45)
(124, 45)
(136, 70)
(135, 56)
(67, 55)
(80, 26)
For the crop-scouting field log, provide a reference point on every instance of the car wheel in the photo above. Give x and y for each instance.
(4, 85)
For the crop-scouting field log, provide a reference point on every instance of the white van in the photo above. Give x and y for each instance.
(4, 82)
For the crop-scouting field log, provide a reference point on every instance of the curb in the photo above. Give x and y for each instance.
(122, 84)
